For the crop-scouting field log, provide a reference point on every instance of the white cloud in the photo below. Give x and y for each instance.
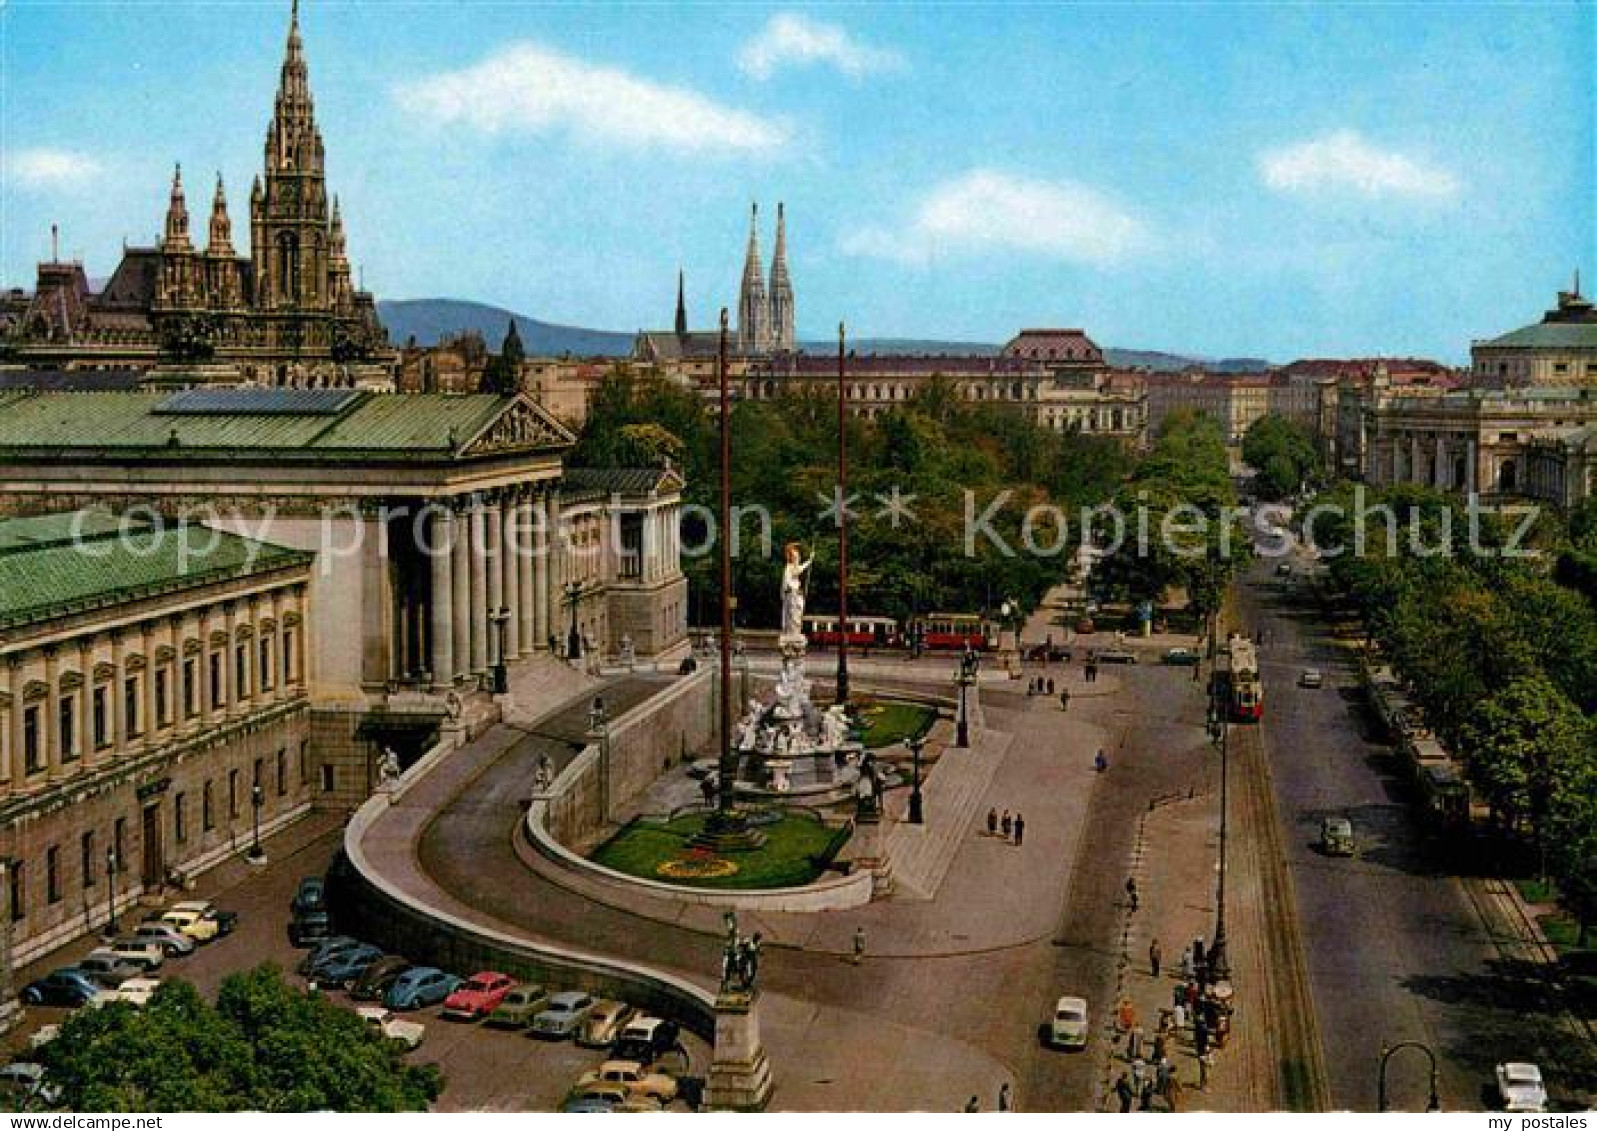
(1345, 161)
(789, 39)
(985, 210)
(49, 169)
(529, 87)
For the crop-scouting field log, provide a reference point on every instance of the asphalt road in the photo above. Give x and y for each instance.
(1396, 948)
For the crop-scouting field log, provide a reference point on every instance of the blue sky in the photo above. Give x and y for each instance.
(1276, 180)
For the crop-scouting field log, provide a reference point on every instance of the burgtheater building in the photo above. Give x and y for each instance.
(1525, 427)
(446, 531)
(287, 312)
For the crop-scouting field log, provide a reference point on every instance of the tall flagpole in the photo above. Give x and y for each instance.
(842, 516)
(725, 797)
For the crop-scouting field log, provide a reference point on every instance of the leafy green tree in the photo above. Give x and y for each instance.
(1282, 452)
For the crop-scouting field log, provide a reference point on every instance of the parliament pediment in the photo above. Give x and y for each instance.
(524, 425)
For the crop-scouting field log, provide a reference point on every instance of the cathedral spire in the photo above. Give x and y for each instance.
(779, 330)
(177, 216)
(292, 141)
(221, 240)
(682, 305)
(753, 329)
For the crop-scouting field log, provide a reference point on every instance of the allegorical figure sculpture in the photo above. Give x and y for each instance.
(793, 590)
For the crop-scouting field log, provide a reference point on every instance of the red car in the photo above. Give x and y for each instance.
(478, 996)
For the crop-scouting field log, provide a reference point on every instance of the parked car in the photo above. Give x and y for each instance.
(225, 921)
(170, 939)
(193, 924)
(1336, 836)
(646, 1039)
(635, 1078)
(325, 949)
(1117, 656)
(1520, 1087)
(1048, 652)
(144, 953)
(519, 1006)
(311, 895)
(604, 1024)
(407, 1033)
(596, 1099)
(1311, 677)
(1182, 657)
(43, 1035)
(108, 968)
(135, 991)
(26, 1083)
(67, 986)
(478, 996)
(306, 927)
(563, 1015)
(1069, 1026)
(419, 987)
(343, 968)
(376, 978)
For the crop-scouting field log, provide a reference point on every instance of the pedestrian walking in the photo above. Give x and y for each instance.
(1161, 1047)
(1205, 1066)
(1200, 1038)
(1154, 955)
(1020, 829)
(992, 822)
(1134, 1042)
(1126, 1015)
(1197, 950)
(1100, 762)
(1124, 1092)
(972, 1104)
(1186, 964)
(1139, 1074)
(1178, 1017)
(1178, 995)
(1131, 881)
(1192, 995)
(1004, 1103)
(1162, 1075)
(1147, 1094)
(859, 945)
(1050, 685)
(1007, 824)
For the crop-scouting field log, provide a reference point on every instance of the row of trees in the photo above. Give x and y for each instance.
(1283, 454)
(945, 461)
(1501, 656)
(264, 1046)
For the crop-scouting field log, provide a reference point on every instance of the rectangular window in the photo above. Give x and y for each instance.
(327, 777)
(282, 772)
(86, 854)
(163, 713)
(241, 673)
(31, 755)
(52, 874)
(207, 811)
(69, 730)
(216, 680)
(288, 655)
(191, 705)
(19, 891)
(102, 728)
(180, 818)
(130, 705)
(232, 794)
(265, 665)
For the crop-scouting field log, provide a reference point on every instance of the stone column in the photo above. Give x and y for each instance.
(1440, 473)
(13, 751)
(118, 700)
(440, 548)
(86, 699)
(739, 1078)
(556, 569)
(279, 673)
(230, 695)
(50, 732)
(479, 588)
(460, 580)
(151, 718)
(525, 577)
(493, 527)
(540, 596)
(1413, 459)
(510, 577)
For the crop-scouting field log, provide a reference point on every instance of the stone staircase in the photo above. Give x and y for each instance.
(953, 796)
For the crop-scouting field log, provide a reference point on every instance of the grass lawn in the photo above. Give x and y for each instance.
(797, 850)
(890, 722)
(1537, 891)
(1560, 929)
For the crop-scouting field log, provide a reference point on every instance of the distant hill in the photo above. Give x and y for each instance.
(431, 319)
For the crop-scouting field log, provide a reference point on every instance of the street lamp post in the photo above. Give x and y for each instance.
(1435, 1101)
(842, 518)
(110, 881)
(967, 676)
(916, 812)
(573, 635)
(257, 799)
(1220, 731)
(501, 675)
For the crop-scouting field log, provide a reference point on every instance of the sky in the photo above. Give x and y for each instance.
(1276, 180)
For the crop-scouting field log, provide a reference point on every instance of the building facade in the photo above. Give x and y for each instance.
(286, 313)
(154, 713)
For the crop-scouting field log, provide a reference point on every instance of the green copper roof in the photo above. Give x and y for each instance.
(68, 563)
(124, 425)
(1550, 335)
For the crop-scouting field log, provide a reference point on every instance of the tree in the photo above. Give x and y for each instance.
(1283, 453)
(264, 1046)
(502, 374)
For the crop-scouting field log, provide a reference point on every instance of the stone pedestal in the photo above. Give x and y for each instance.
(869, 848)
(740, 1073)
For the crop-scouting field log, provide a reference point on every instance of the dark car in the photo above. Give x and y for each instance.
(1117, 656)
(419, 987)
(344, 967)
(375, 980)
(325, 949)
(1182, 657)
(311, 896)
(308, 927)
(67, 986)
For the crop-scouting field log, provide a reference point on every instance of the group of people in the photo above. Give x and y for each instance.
(1193, 1009)
(1041, 686)
(1013, 828)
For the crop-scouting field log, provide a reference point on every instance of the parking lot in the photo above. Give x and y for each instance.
(485, 1069)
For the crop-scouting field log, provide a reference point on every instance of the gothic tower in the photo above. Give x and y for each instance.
(753, 335)
(682, 308)
(182, 285)
(779, 329)
(221, 262)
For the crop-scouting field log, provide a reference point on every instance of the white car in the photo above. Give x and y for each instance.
(43, 1036)
(1519, 1086)
(1311, 677)
(1068, 1028)
(135, 991)
(407, 1033)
